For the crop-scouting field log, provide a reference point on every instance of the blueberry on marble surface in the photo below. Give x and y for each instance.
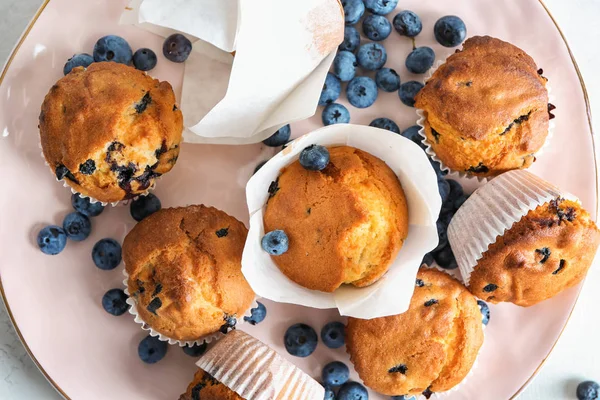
(335, 113)
(353, 391)
(77, 226)
(588, 390)
(279, 138)
(332, 88)
(314, 157)
(385, 123)
(196, 350)
(144, 59)
(351, 39)
(362, 92)
(420, 60)
(177, 48)
(144, 206)
(329, 394)
(115, 302)
(450, 31)
(333, 334)
(52, 240)
(336, 373)
(387, 80)
(353, 10)
(412, 133)
(85, 206)
(344, 65)
(380, 7)
(408, 91)
(258, 314)
(78, 60)
(300, 340)
(376, 27)
(407, 23)
(113, 48)
(371, 56)
(151, 350)
(275, 242)
(106, 254)
(445, 258)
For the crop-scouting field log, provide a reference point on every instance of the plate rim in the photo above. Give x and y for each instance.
(62, 393)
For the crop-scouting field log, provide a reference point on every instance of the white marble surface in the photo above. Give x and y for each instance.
(575, 357)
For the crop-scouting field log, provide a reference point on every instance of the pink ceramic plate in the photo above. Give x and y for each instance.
(55, 301)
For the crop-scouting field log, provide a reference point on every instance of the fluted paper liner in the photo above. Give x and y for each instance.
(491, 210)
(256, 372)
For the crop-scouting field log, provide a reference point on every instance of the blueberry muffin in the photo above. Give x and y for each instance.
(184, 267)
(110, 130)
(486, 108)
(429, 348)
(549, 250)
(205, 386)
(345, 224)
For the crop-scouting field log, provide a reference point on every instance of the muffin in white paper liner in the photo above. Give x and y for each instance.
(429, 150)
(491, 210)
(206, 338)
(256, 372)
(392, 293)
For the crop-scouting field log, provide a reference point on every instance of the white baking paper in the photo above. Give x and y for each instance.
(392, 293)
(283, 50)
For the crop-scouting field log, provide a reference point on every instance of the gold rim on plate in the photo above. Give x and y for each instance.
(527, 382)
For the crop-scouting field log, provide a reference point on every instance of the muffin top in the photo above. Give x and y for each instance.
(184, 267)
(205, 386)
(486, 108)
(345, 224)
(549, 250)
(110, 130)
(429, 348)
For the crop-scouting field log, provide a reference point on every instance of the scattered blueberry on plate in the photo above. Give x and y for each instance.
(115, 302)
(260, 165)
(362, 92)
(77, 226)
(144, 59)
(413, 134)
(351, 39)
(275, 242)
(485, 311)
(177, 48)
(335, 373)
(407, 23)
(371, 56)
(376, 27)
(353, 391)
(380, 7)
(151, 350)
(78, 60)
(196, 350)
(353, 11)
(332, 88)
(314, 157)
(385, 123)
(408, 91)
(113, 48)
(144, 206)
(335, 113)
(387, 80)
(85, 206)
(588, 390)
(344, 65)
(279, 138)
(300, 340)
(106, 254)
(450, 31)
(445, 258)
(333, 334)
(420, 60)
(258, 314)
(52, 240)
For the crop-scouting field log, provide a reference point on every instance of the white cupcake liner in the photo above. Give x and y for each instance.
(491, 210)
(429, 150)
(203, 339)
(255, 371)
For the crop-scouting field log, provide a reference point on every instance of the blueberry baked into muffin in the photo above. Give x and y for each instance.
(110, 130)
(549, 250)
(205, 386)
(486, 108)
(184, 267)
(429, 348)
(345, 223)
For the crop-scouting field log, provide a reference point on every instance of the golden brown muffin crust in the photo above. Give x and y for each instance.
(431, 346)
(205, 387)
(486, 108)
(345, 224)
(546, 252)
(110, 130)
(184, 267)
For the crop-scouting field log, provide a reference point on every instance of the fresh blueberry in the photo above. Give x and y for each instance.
(437, 168)
(113, 48)
(376, 27)
(143, 206)
(331, 90)
(353, 391)
(444, 189)
(335, 114)
(144, 59)
(442, 229)
(259, 166)
(387, 80)
(427, 259)
(458, 202)
(588, 390)
(408, 91)
(258, 314)
(353, 11)
(413, 134)
(279, 138)
(196, 350)
(445, 258)
(152, 350)
(407, 23)
(77, 226)
(371, 56)
(329, 394)
(380, 7)
(275, 242)
(385, 123)
(52, 240)
(344, 65)
(335, 373)
(106, 254)
(177, 48)
(85, 206)
(115, 302)
(450, 31)
(78, 60)
(485, 311)
(420, 60)
(456, 189)
(300, 340)
(403, 397)
(351, 39)
(362, 92)
(333, 335)
(314, 157)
